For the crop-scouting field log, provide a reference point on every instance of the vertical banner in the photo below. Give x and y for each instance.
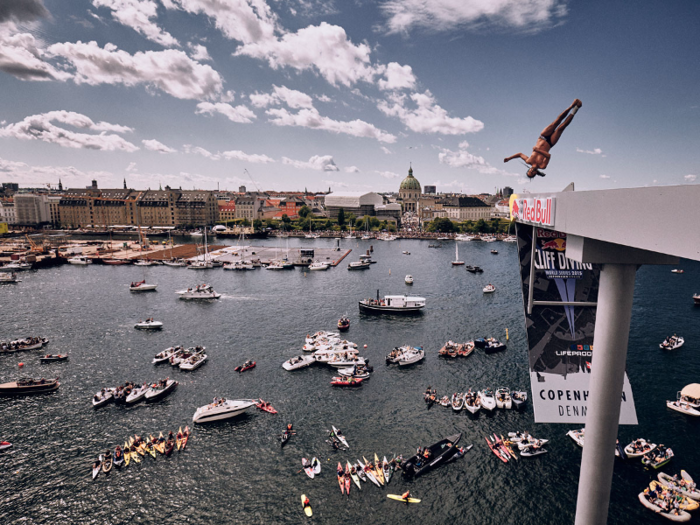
(560, 334)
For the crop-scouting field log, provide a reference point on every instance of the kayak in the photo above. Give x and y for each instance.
(307, 467)
(262, 405)
(378, 469)
(178, 438)
(118, 458)
(353, 474)
(340, 436)
(169, 446)
(127, 454)
(160, 447)
(5, 444)
(360, 472)
(307, 508)
(496, 451)
(368, 473)
(107, 464)
(341, 478)
(508, 448)
(397, 497)
(386, 470)
(348, 480)
(186, 437)
(151, 449)
(373, 470)
(243, 368)
(96, 469)
(285, 437)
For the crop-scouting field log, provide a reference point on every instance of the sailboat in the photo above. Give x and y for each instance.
(457, 262)
(206, 263)
(173, 262)
(366, 236)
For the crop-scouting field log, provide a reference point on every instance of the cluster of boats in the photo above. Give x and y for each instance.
(523, 442)
(405, 355)
(488, 344)
(187, 359)
(131, 393)
(653, 455)
(475, 400)
(25, 343)
(672, 497)
(136, 447)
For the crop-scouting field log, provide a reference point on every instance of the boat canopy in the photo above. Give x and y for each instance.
(404, 300)
(692, 390)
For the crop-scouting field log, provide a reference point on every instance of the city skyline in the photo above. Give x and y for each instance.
(310, 94)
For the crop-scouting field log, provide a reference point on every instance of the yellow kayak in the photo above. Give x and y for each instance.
(160, 447)
(151, 449)
(178, 439)
(307, 508)
(378, 469)
(399, 498)
(127, 454)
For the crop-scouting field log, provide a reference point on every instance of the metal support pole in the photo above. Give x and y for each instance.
(605, 392)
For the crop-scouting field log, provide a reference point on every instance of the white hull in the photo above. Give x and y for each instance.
(489, 403)
(227, 410)
(409, 359)
(137, 394)
(194, 364)
(143, 288)
(683, 408)
(155, 325)
(296, 363)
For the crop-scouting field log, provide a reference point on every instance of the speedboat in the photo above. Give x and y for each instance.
(519, 397)
(53, 357)
(489, 344)
(193, 362)
(29, 386)
(658, 458)
(319, 266)
(141, 286)
(149, 324)
(201, 265)
(472, 401)
(412, 356)
(147, 262)
(437, 454)
(577, 436)
(16, 266)
(165, 355)
(638, 448)
(408, 279)
(80, 260)
(182, 355)
(199, 293)
(367, 258)
(103, 397)
(161, 389)
(222, 409)
(676, 270)
(489, 288)
(358, 265)
(340, 361)
(682, 407)
(671, 343)
(301, 361)
(457, 401)
(503, 399)
(488, 401)
(137, 394)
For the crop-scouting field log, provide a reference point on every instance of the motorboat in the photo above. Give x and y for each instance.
(676, 270)
(657, 504)
(141, 286)
(319, 266)
(149, 324)
(696, 299)
(658, 458)
(147, 262)
(488, 401)
(320, 335)
(9, 278)
(472, 401)
(193, 362)
(366, 257)
(457, 401)
(394, 304)
(344, 323)
(183, 355)
(16, 266)
(137, 394)
(489, 344)
(672, 343)
(398, 353)
(412, 356)
(160, 389)
(201, 265)
(519, 398)
(19, 345)
(358, 372)
(532, 450)
(199, 293)
(510, 238)
(301, 361)
(405, 252)
(340, 361)
(240, 266)
(104, 396)
(435, 455)
(408, 279)
(528, 441)
(638, 448)
(116, 262)
(29, 386)
(48, 358)
(489, 288)
(503, 399)
(5, 445)
(495, 252)
(176, 263)
(222, 409)
(350, 381)
(474, 269)
(358, 265)
(80, 260)
(577, 436)
(166, 354)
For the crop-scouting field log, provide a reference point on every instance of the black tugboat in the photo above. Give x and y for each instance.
(437, 454)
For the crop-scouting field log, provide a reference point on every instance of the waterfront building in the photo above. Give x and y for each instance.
(227, 210)
(7, 211)
(249, 206)
(462, 208)
(31, 210)
(356, 202)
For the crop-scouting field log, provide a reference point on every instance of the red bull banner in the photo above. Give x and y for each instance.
(535, 210)
(560, 298)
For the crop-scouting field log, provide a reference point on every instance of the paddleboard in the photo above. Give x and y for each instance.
(307, 510)
(398, 497)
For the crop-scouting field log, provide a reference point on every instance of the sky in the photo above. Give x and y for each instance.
(347, 94)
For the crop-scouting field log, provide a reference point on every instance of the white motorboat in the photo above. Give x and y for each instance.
(184, 354)
(301, 361)
(149, 324)
(359, 372)
(683, 408)
(577, 436)
(411, 357)
(175, 263)
(198, 293)
(676, 270)
(201, 265)
(137, 394)
(457, 401)
(408, 279)
(275, 266)
(489, 288)
(147, 262)
(472, 402)
(319, 266)
(239, 266)
(161, 389)
(395, 304)
(671, 343)
(141, 286)
(503, 399)
(165, 355)
(638, 448)
(222, 409)
(80, 260)
(367, 258)
(510, 238)
(326, 354)
(532, 450)
(193, 362)
(320, 335)
(9, 278)
(358, 265)
(16, 267)
(103, 397)
(344, 362)
(488, 401)
(530, 441)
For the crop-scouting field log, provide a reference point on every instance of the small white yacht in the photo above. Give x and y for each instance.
(393, 304)
(301, 361)
(412, 356)
(141, 286)
(489, 288)
(80, 260)
(319, 266)
(193, 362)
(408, 279)
(239, 266)
(488, 401)
(16, 266)
(222, 409)
(175, 263)
(137, 394)
(200, 292)
(149, 324)
(358, 265)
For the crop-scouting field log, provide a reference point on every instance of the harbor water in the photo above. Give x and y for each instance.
(235, 471)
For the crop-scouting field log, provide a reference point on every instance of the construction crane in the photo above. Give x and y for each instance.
(251, 179)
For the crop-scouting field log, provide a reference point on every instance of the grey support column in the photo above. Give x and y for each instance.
(605, 391)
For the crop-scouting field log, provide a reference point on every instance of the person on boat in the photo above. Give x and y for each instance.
(405, 496)
(334, 445)
(306, 503)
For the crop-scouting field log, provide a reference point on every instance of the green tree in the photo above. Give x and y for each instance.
(351, 219)
(304, 211)
(328, 225)
(441, 224)
(480, 226)
(245, 222)
(341, 217)
(257, 225)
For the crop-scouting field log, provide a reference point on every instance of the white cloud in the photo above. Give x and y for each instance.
(139, 15)
(42, 127)
(247, 21)
(397, 77)
(604, 176)
(240, 114)
(690, 178)
(21, 56)
(388, 174)
(262, 100)
(427, 116)
(445, 15)
(198, 52)
(310, 118)
(254, 158)
(154, 145)
(282, 94)
(324, 49)
(386, 150)
(595, 151)
(197, 150)
(335, 183)
(27, 175)
(318, 163)
(351, 169)
(171, 70)
(131, 167)
(460, 158)
(324, 98)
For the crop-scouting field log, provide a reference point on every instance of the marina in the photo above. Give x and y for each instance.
(265, 316)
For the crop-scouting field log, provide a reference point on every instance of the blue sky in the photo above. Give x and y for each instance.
(345, 94)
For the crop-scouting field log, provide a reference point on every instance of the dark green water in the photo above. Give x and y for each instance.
(235, 471)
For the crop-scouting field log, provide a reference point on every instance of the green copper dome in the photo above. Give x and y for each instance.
(410, 182)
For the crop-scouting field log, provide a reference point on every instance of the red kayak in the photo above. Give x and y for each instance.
(245, 366)
(267, 407)
(346, 381)
(5, 444)
(496, 451)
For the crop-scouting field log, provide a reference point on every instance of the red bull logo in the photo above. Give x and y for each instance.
(555, 244)
(537, 210)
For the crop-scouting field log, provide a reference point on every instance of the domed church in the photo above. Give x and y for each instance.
(409, 193)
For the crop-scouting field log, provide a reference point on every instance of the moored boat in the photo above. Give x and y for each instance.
(160, 389)
(488, 401)
(295, 363)
(48, 358)
(519, 398)
(104, 396)
(149, 324)
(437, 454)
(395, 304)
(141, 286)
(638, 448)
(577, 436)
(26, 386)
(358, 265)
(683, 408)
(222, 409)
